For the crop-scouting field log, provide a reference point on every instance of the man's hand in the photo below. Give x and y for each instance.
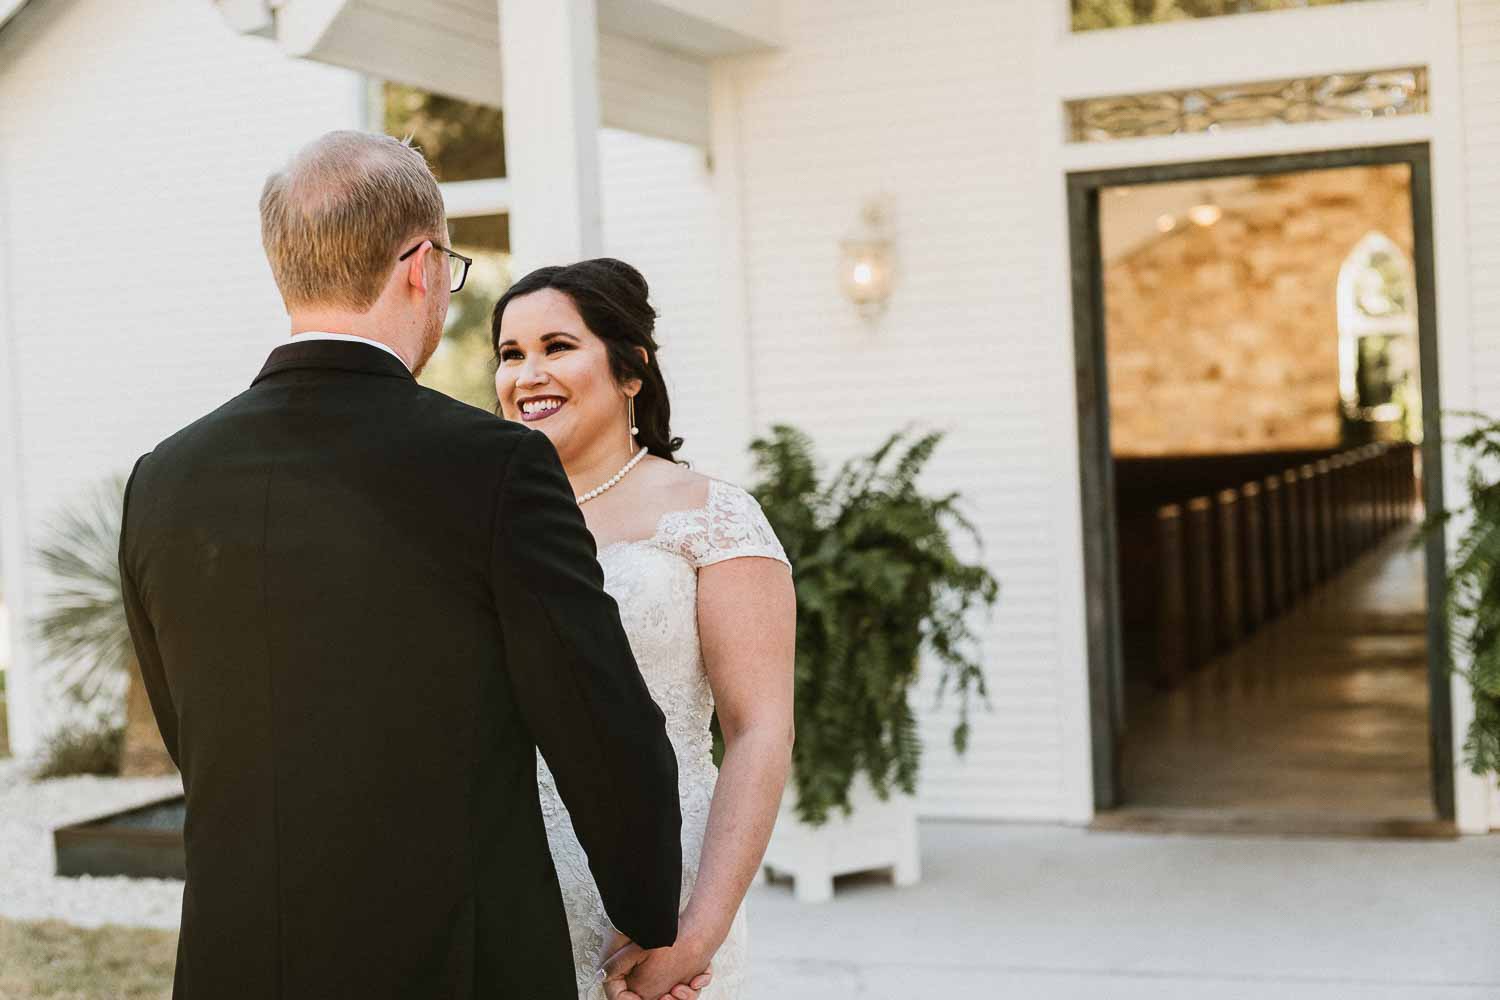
(633, 973)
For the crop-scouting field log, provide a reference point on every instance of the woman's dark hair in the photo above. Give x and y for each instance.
(613, 299)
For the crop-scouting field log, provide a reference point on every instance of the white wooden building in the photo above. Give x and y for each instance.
(727, 148)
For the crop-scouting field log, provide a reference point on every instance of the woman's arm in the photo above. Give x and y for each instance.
(747, 623)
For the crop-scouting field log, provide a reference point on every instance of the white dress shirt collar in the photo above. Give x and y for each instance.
(350, 338)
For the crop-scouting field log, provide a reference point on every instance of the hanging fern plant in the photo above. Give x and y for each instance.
(1473, 607)
(83, 629)
(878, 582)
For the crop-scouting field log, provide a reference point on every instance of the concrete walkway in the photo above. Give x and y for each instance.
(1005, 911)
(1047, 912)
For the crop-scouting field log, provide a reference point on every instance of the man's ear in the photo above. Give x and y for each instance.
(416, 267)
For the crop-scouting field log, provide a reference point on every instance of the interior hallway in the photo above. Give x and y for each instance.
(1320, 718)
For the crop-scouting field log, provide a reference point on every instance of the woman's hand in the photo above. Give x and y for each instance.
(633, 973)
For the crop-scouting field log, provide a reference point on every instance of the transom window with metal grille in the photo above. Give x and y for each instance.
(1334, 97)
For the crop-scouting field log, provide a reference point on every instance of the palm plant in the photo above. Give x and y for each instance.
(83, 629)
(1473, 607)
(877, 582)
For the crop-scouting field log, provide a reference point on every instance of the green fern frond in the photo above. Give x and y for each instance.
(878, 581)
(1473, 602)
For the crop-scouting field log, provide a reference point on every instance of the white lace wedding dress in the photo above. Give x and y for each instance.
(655, 583)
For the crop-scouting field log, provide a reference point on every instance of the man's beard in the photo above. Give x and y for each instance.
(432, 335)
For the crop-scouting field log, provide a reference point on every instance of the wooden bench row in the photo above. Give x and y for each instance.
(1229, 562)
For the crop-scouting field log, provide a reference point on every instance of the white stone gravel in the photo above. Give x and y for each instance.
(30, 810)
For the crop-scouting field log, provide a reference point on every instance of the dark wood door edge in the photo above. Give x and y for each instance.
(1096, 466)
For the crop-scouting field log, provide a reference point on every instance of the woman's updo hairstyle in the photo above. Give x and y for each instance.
(613, 299)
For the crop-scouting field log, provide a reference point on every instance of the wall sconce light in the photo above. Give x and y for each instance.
(867, 262)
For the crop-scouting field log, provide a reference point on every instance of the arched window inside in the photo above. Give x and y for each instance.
(1379, 380)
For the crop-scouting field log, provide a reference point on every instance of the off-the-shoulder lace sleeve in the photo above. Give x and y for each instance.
(730, 525)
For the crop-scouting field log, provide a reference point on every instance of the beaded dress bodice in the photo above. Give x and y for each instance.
(655, 583)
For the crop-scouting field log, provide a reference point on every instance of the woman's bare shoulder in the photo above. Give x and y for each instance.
(671, 487)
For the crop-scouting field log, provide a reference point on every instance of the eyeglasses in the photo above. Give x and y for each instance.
(458, 264)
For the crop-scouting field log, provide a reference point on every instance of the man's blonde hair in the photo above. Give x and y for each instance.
(333, 221)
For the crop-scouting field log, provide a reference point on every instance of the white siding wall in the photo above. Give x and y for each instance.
(937, 111)
(1479, 38)
(134, 139)
(1480, 42)
(661, 215)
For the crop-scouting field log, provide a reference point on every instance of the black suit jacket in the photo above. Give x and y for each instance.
(359, 608)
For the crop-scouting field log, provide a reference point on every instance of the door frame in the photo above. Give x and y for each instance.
(1096, 466)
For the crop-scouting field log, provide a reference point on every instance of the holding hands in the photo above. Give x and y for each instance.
(634, 973)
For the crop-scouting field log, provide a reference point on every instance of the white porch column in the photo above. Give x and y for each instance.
(22, 702)
(549, 56)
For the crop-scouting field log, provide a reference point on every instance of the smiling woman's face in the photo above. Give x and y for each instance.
(554, 375)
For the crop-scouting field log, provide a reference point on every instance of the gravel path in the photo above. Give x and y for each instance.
(28, 888)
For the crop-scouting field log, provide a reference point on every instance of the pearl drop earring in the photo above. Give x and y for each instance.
(634, 430)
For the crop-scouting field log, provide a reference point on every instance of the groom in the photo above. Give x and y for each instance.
(360, 607)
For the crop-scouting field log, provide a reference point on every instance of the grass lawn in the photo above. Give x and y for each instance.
(55, 961)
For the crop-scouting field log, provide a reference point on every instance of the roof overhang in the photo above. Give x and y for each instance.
(653, 54)
(9, 9)
(249, 17)
(707, 29)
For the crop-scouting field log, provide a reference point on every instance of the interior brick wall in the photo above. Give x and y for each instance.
(1224, 338)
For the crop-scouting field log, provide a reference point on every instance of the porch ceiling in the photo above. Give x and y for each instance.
(449, 46)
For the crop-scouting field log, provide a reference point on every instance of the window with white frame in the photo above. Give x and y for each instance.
(1094, 15)
(464, 143)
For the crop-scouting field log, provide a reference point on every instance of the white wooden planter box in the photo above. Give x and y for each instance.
(877, 835)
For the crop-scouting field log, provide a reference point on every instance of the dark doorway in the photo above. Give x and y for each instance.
(1191, 677)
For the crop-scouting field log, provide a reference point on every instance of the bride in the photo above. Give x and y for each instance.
(705, 596)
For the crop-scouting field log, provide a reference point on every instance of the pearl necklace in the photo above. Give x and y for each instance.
(613, 480)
